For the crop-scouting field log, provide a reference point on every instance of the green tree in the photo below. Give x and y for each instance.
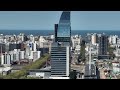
(110, 50)
(23, 73)
(73, 74)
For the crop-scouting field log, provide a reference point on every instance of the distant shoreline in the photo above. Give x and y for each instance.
(51, 32)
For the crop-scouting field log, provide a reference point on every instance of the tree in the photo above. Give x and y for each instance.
(110, 50)
(23, 73)
(73, 74)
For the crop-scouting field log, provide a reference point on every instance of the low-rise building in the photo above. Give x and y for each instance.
(43, 73)
(116, 67)
(5, 70)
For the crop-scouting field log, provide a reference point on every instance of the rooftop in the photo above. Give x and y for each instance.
(89, 71)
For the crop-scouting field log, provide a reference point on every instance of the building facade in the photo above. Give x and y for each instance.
(60, 56)
(103, 47)
(60, 49)
(64, 28)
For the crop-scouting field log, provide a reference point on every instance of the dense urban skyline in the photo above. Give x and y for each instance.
(63, 55)
(45, 20)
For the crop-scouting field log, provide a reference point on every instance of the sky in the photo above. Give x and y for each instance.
(45, 20)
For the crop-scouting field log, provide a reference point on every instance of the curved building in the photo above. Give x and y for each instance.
(60, 49)
(64, 27)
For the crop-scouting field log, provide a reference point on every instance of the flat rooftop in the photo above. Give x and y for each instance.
(90, 70)
(47, 69)
(62, 44)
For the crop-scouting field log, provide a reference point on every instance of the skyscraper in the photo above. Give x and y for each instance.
(103, 47)
(60, 56)
(60, 51)
(64, 28)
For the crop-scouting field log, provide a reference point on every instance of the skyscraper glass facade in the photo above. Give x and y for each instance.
(64, 27)
(60, 50)
(103, 45)
(60, 59)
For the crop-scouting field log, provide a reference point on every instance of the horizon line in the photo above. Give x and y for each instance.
(53, 30)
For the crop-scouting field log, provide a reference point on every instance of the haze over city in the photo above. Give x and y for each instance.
(44, 20)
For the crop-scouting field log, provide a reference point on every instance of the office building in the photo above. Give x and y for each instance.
(60, 50)
(60, 58)
(64, 28)
(76, 40)
(103, 47)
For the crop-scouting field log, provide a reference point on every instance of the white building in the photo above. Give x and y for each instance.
(77, 49)
(118, 41)
(32, 38)
(5, 70)
(12, 56)
(94, 39)
(116, 67)
(34, 46)
(41, 41)
(27, 51)
(94, 49)
(39, 54)
(52, 36)
(22, 55)
(59, 78)
(113, 39)
(34, 55)
(75, 41)
(22, 37)
(16, 54)
(5, 59)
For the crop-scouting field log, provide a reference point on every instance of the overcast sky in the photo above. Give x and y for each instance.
(45, 20)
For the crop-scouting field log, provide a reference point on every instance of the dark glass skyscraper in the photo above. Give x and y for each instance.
(103, 47)
(60, 50)
(64, 28)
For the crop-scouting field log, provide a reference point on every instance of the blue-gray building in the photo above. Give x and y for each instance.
(91, 72)
(64, 28)
(60, 50)
(103, 47)
(60, 59)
